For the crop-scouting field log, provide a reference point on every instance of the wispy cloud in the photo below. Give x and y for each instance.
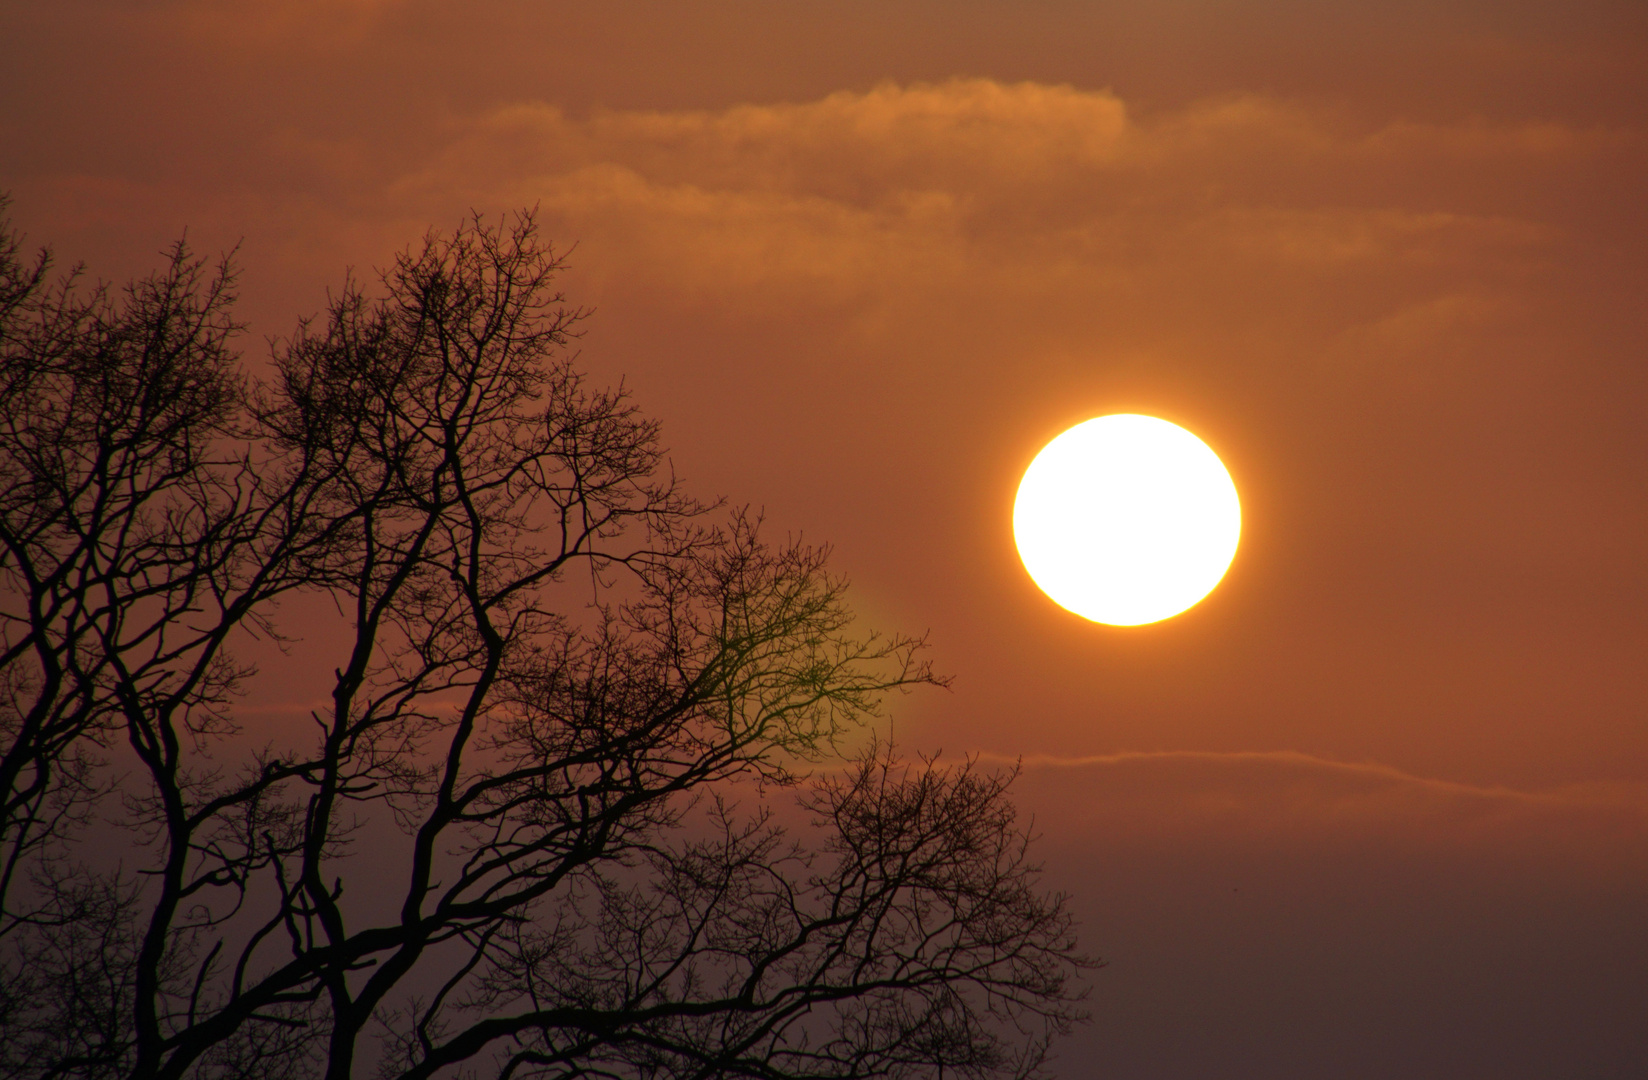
(1287, 797)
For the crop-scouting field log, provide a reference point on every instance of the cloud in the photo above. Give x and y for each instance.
(1289, 798)
(1049, 197)
(1042, 191)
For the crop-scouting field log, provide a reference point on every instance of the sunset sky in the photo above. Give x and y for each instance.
(1378, 806)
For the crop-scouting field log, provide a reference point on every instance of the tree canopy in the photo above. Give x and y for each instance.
(580, 798)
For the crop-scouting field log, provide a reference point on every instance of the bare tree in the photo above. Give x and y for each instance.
(579, 698)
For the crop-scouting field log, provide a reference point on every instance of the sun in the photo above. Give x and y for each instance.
(1127, 519)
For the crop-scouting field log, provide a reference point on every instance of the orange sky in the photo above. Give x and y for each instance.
(1378, 806)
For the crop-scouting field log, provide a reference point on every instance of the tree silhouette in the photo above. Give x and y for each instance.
(588, 727)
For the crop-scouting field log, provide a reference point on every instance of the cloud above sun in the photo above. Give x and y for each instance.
(925, 180)
(1045, 197)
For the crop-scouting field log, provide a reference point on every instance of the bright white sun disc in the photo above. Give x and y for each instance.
(1126, 519)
